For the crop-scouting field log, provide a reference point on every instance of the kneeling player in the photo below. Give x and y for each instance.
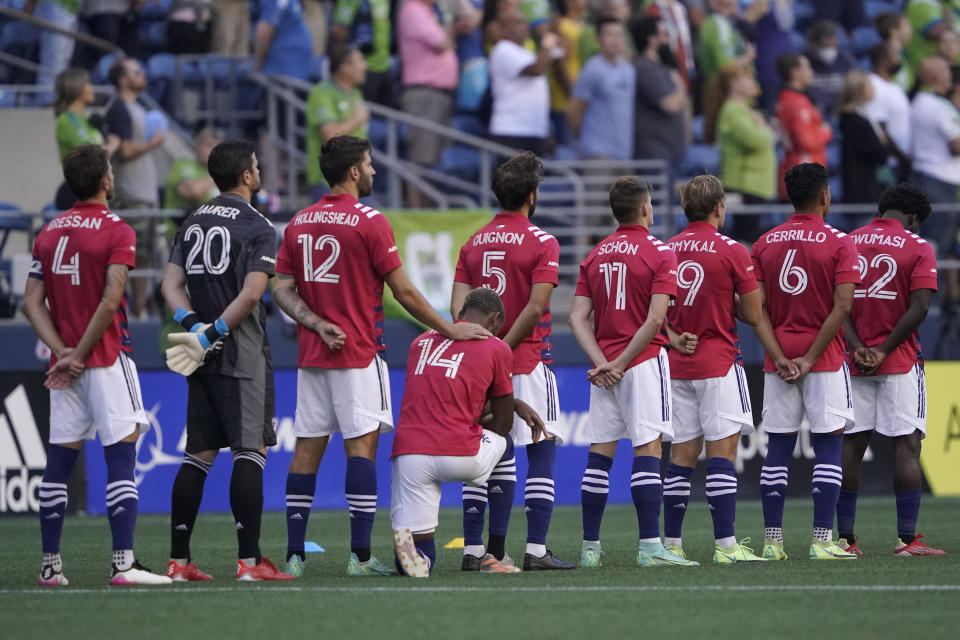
(438, 439)
(626, 282)
(889, 394)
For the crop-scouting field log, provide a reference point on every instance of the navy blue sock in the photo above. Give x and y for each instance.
(122, 496)
(538, 495)
(474, 512)
(846, 514)
(773, 477)
(908, 510)
(501, 486)
(647, 492)
(722, 496)
(53, 494)
(827, 477)
(427, 549)
(361, 489)
(676, 496)
(300, 490)
(593, 494)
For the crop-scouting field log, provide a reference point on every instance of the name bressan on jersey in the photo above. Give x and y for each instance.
(880, 238)
(498, 237)
(327, 217)
(77, 222)
(799, 235)
(626, 248)
(703, 246)
(217, 210)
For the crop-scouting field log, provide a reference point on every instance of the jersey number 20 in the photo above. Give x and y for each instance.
(203, 248)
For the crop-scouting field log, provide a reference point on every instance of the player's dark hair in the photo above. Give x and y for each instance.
(339, 154)
(84, 169)
(786, 64)
(627, 195)
(117, 71)
(339, 54)
(228, 161)
(700, 196)
(907, 199)
(516, 179)
(804, 184)
(642, 30)
(604, 21)
(483, 300)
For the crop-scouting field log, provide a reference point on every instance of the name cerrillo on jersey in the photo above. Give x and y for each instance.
(217, 210)
(327, 217)
(702, 246)
(880, 238)
(799, 235)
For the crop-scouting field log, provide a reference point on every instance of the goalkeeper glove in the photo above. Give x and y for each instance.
(190, 348)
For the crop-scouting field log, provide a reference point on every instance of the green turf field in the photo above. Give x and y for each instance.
(876, 596)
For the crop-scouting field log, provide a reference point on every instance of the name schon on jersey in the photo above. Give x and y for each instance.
(796, 234)
(702, 246)
(626, 248)
(498, 237)
(327, 217)
(880, 238)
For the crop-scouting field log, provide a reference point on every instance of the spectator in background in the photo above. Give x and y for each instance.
(948, 46)
(335, 107)
(231, 29)
(805, 135)
(189, 183)
(55, 49)
(774, 39)
(863, 143)
(830, 64)
(282, 45)
(721, 39)
(661, 100)
(537, 14)
(895, 29)
(474, 70)
(135, 175)
(890, 107)
(315, 17)
(929, 19)
(74, 94)
(564, 70)
(674, 16)
(430, 76)
(602, 106)
(935, 124)
(366, 24)
(190, 26)
(116, 21)
(849, 14)
(619, 10)
(521, 95)
(748, 157)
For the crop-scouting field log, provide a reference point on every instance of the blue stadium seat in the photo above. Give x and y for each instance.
(463, 162)
(99, 75)
(701, 158)
(873, 8)
(50, 212)
(11, 219)
(161, 65)
(469, 124)
(836, 189)
(318, 68)
(834, 155)
(153, 35)
(566, 152)
(864, 39)
(156, 10)
(799, 40)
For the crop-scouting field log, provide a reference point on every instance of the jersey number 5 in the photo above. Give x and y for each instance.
(490, 271)
(321, 273)
(203, 242)
(430, 357)
(71, 268)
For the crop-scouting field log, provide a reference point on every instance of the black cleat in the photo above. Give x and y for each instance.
(546, 562)
(470, 563)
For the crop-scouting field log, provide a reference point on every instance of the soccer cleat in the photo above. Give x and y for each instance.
(296, 566)
(773, 550)
(654, 554)
(849, 547)
(590, 555)
(186, 573)
(829, 550)
(50, 578)
(470, 562)
(916, 548)
(546, 562)
(136, 574)
(737, 552)
(489, 564)
(409, 559)
(676, 550)
(371, 567)
(264, 570)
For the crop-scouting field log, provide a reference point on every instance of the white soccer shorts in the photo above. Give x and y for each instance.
(715, 408)
(824, 397)
(103, 400)
(894, 405)
(539, 390)
(353, 402)
(636, 408)
(415, 481)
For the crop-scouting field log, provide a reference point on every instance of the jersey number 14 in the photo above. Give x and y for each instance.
(430, 357)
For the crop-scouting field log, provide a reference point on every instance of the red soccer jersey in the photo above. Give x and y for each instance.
(445, 393)
(620, 275)
(893, 263)
(339, 252)
(510, 255)
(711, 268)
(71, 256)
(800, 262)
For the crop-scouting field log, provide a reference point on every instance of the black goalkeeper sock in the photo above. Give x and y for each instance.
(185, 503)
(246, 501)
(496, 546)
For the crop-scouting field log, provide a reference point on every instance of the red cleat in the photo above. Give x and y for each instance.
(266, 570)
(186, 573)
(916, 548)
(851, 548)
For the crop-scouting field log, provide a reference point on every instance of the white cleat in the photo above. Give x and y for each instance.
(137, 574)
(413, 564)
(50, 578)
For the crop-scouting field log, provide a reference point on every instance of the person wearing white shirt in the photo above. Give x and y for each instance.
(521, 95)
(890, 106)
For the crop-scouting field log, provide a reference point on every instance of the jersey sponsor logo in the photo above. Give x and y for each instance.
(269, 259)
(22, 456)
(217, 210)
(498, 237)
(796, 235)
(623, 247)
(702, 246)
(75, 222)
(881, 239)
(327, 217)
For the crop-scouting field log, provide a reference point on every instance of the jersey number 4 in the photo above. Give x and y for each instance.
(205, 244)
(71, 268)
(321, 273)
(875, 290)
(430, 357)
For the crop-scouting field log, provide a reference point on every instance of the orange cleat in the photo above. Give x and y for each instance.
(266, 570)
(186, 573)
(916, 548)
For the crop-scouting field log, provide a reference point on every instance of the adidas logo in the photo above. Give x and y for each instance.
(680, 506)
(52, 516)
(495, 489)
(118, 511)
(181, 527)
(473, 510)
(774, 494)
(527, 509)
(296, 516)
(239, 526)
(711, 507)
(22, 462)
(816, 490)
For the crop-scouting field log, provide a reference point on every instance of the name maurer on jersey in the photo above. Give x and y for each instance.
(217, 210)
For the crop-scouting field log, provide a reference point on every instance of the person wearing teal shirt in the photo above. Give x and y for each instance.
(366, 25)
(335, 107)
(74, 94)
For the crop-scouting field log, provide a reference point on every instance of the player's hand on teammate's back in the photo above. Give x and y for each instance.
(528, 415)
(787, 370)
(469, 331)
(332, 335)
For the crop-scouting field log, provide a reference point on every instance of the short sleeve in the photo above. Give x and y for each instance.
(382, 247)
(36, 263)
(117, 121)
(742, 269)
(665, 279)
(755, 259)
(547, 268)
(123, 246)
(583, 282)
(924, 275)
(321, 108)
(949, 124)
(284, 259)
(502, 384)
(262, 254)
(462, 274)
(585, 88)
(848, 263)
(422, 26)
(176, 251)
(272, 10)
(512, 59)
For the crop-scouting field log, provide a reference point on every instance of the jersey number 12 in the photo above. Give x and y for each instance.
(321, 273)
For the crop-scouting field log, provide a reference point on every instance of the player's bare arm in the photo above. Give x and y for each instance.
(35, 307)
(906, 326)
(650, 327)
(413, 301)
(502, 408)
(530, 315)
(786, 368)
(285, 293)
(862, 356)
(459, 294)
(685, 343)
(579, 322)
(842, 303)
(531, 418)
(749, 307)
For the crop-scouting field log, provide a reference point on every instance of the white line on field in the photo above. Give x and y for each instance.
(157, 590)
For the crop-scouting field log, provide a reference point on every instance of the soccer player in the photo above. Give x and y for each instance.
(438, 437)
(333, 262)
(710, 397)
(626, 282)
(899, 273)
(520, 262)
(80, 265)
(222, 258)
(808, 271)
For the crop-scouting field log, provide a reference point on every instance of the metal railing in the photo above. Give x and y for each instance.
(97, 43)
